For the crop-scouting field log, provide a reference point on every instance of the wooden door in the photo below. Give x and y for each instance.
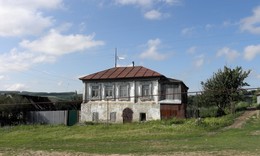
(168, 111)
(127, 115)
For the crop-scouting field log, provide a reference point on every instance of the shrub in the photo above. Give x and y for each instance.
(175, 121)
(213, 123)
(208, 112)
(241, 106)
(90, 123)
(258, 106)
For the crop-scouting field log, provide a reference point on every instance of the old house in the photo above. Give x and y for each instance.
(126, 94)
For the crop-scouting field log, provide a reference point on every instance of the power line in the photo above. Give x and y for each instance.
(111, 99)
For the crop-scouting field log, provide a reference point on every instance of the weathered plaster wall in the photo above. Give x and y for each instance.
(134, 89)
(151, 109)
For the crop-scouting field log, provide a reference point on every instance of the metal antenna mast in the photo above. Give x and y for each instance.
(115, 57)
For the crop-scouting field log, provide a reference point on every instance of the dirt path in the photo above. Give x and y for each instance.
(240, 121)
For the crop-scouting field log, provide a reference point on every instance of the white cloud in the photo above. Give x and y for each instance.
(24, 17)
(153, 15)
(147, 3)
(172, 2)
(150, 7)
(60, 83)
(45, 50)
(199, 61)
(187, 31)
(230, 54)
(57, 44)
(192, 50)
(251, 24)
(19, 61)
(250, 52)
(152, 51)
(16, 87)
(209, 26)
(2, 77)
(141, 3)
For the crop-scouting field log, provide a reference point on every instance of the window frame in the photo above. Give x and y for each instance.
(176, 93)
(112, 89)
(112, 116)
(148, 97)
(97, 90)
(124, 98)
(95, 116)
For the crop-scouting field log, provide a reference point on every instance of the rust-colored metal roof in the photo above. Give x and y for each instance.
(123, 72)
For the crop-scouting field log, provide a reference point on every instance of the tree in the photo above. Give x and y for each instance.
(224, 88)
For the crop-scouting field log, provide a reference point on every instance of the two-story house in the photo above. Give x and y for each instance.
(126, 94)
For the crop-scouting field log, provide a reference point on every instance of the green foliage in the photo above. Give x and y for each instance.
(223, 88)
(12, 108)
(208, 112)
(241, 106)
(258, 106)
(175, 121)
(213, 123)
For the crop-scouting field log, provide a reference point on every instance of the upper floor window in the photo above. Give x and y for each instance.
(146, 91)
(95, 91)
(124, 91)
(172, 92)
(109, 91)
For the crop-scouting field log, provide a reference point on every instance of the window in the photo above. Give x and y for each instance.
(95, 92)
(146, 91)
(109, 91)
(123, 92)
(113, 116)
(142, 116)
(95, 116)
(172, 92)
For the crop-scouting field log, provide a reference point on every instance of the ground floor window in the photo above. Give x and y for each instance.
(113, 116)
(142, 116)
(95, 116)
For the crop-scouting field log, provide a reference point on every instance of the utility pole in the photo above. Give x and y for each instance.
(115, 57)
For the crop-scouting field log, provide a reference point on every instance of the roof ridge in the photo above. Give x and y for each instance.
(122, 73)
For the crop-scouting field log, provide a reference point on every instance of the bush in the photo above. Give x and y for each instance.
(175, 121)
(208, 112)
(213, 123)
(90, 123)
(241, 106)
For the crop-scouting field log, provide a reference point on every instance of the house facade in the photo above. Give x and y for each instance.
(130, 94)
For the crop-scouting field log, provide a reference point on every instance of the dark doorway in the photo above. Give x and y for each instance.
(127, 115)
(142, 116)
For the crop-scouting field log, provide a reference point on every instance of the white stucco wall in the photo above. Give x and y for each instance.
(258, 99)
(151, 108)
(104, 109)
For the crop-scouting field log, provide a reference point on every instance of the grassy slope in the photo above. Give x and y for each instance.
(149, 138)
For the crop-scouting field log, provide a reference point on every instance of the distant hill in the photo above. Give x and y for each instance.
(55, 96)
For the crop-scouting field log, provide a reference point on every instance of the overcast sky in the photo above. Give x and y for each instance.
(48, 45)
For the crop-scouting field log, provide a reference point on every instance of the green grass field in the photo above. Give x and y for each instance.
(156, 137)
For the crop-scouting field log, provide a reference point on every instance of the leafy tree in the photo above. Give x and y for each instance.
(224, 88)
(12, 109)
